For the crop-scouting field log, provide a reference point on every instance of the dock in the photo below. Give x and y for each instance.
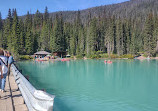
(11, 99)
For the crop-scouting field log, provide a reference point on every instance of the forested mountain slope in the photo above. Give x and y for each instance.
(129, 9)
(124, 28)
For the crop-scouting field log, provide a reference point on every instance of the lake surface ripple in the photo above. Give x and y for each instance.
(91, 85)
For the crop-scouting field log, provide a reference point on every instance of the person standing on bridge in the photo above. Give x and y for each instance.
(3, 70)
(10, 61)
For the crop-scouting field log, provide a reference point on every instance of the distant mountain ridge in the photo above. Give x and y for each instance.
(132, 8)
(128, 9)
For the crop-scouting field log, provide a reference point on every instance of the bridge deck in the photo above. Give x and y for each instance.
(11, 99)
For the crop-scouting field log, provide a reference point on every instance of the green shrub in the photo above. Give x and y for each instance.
(88, 56)
(140, 52)
(129, 56)
(145, 55)
(79, 56)
(113, 56)
(25, 57)
(95, 56)
(105, 55)
(72, 57)
(99, 52)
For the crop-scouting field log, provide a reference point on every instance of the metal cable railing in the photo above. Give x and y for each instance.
(36, 100)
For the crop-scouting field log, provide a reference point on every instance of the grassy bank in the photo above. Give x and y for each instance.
(25, 57)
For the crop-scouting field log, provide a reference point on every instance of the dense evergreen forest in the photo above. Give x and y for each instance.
(126, 28)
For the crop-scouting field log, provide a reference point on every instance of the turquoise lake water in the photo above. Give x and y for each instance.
(91, 85)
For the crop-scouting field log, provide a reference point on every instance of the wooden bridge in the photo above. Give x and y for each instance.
(18, 89)
(11, 99)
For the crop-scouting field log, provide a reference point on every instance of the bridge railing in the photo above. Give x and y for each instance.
(36, 100)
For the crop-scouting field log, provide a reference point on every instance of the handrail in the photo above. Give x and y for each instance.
(36, 100)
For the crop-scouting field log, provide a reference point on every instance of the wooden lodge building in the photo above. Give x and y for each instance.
(41, 54)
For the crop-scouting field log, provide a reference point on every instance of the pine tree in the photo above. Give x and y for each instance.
(45, 35)
(81, 41)
(36, 41)
(57, 42)
(1, 23)
(1, 31)
(29, 43)
(29, 40)
(15, 34)
(87, 30)
(119, 37)
(78, 34)
(67, 30)
(1, 38)
(72, 43)
(128, 35)
(102, 28)
(93, 35)
(124, 42)
(156, 33)
(110, 36)
(22, 38)
(37, 21)
(7, 40)
(46, 15)
(149, 40)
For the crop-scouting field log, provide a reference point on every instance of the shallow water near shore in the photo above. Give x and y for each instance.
(92, 85)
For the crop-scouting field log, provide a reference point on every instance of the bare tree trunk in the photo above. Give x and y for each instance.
(157, 47)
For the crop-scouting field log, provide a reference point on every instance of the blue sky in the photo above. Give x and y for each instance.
(23, 6)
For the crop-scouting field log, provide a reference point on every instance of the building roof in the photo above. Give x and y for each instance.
(42, 53)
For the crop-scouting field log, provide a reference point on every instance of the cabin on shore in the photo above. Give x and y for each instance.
(41, 54)
(60, 53)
